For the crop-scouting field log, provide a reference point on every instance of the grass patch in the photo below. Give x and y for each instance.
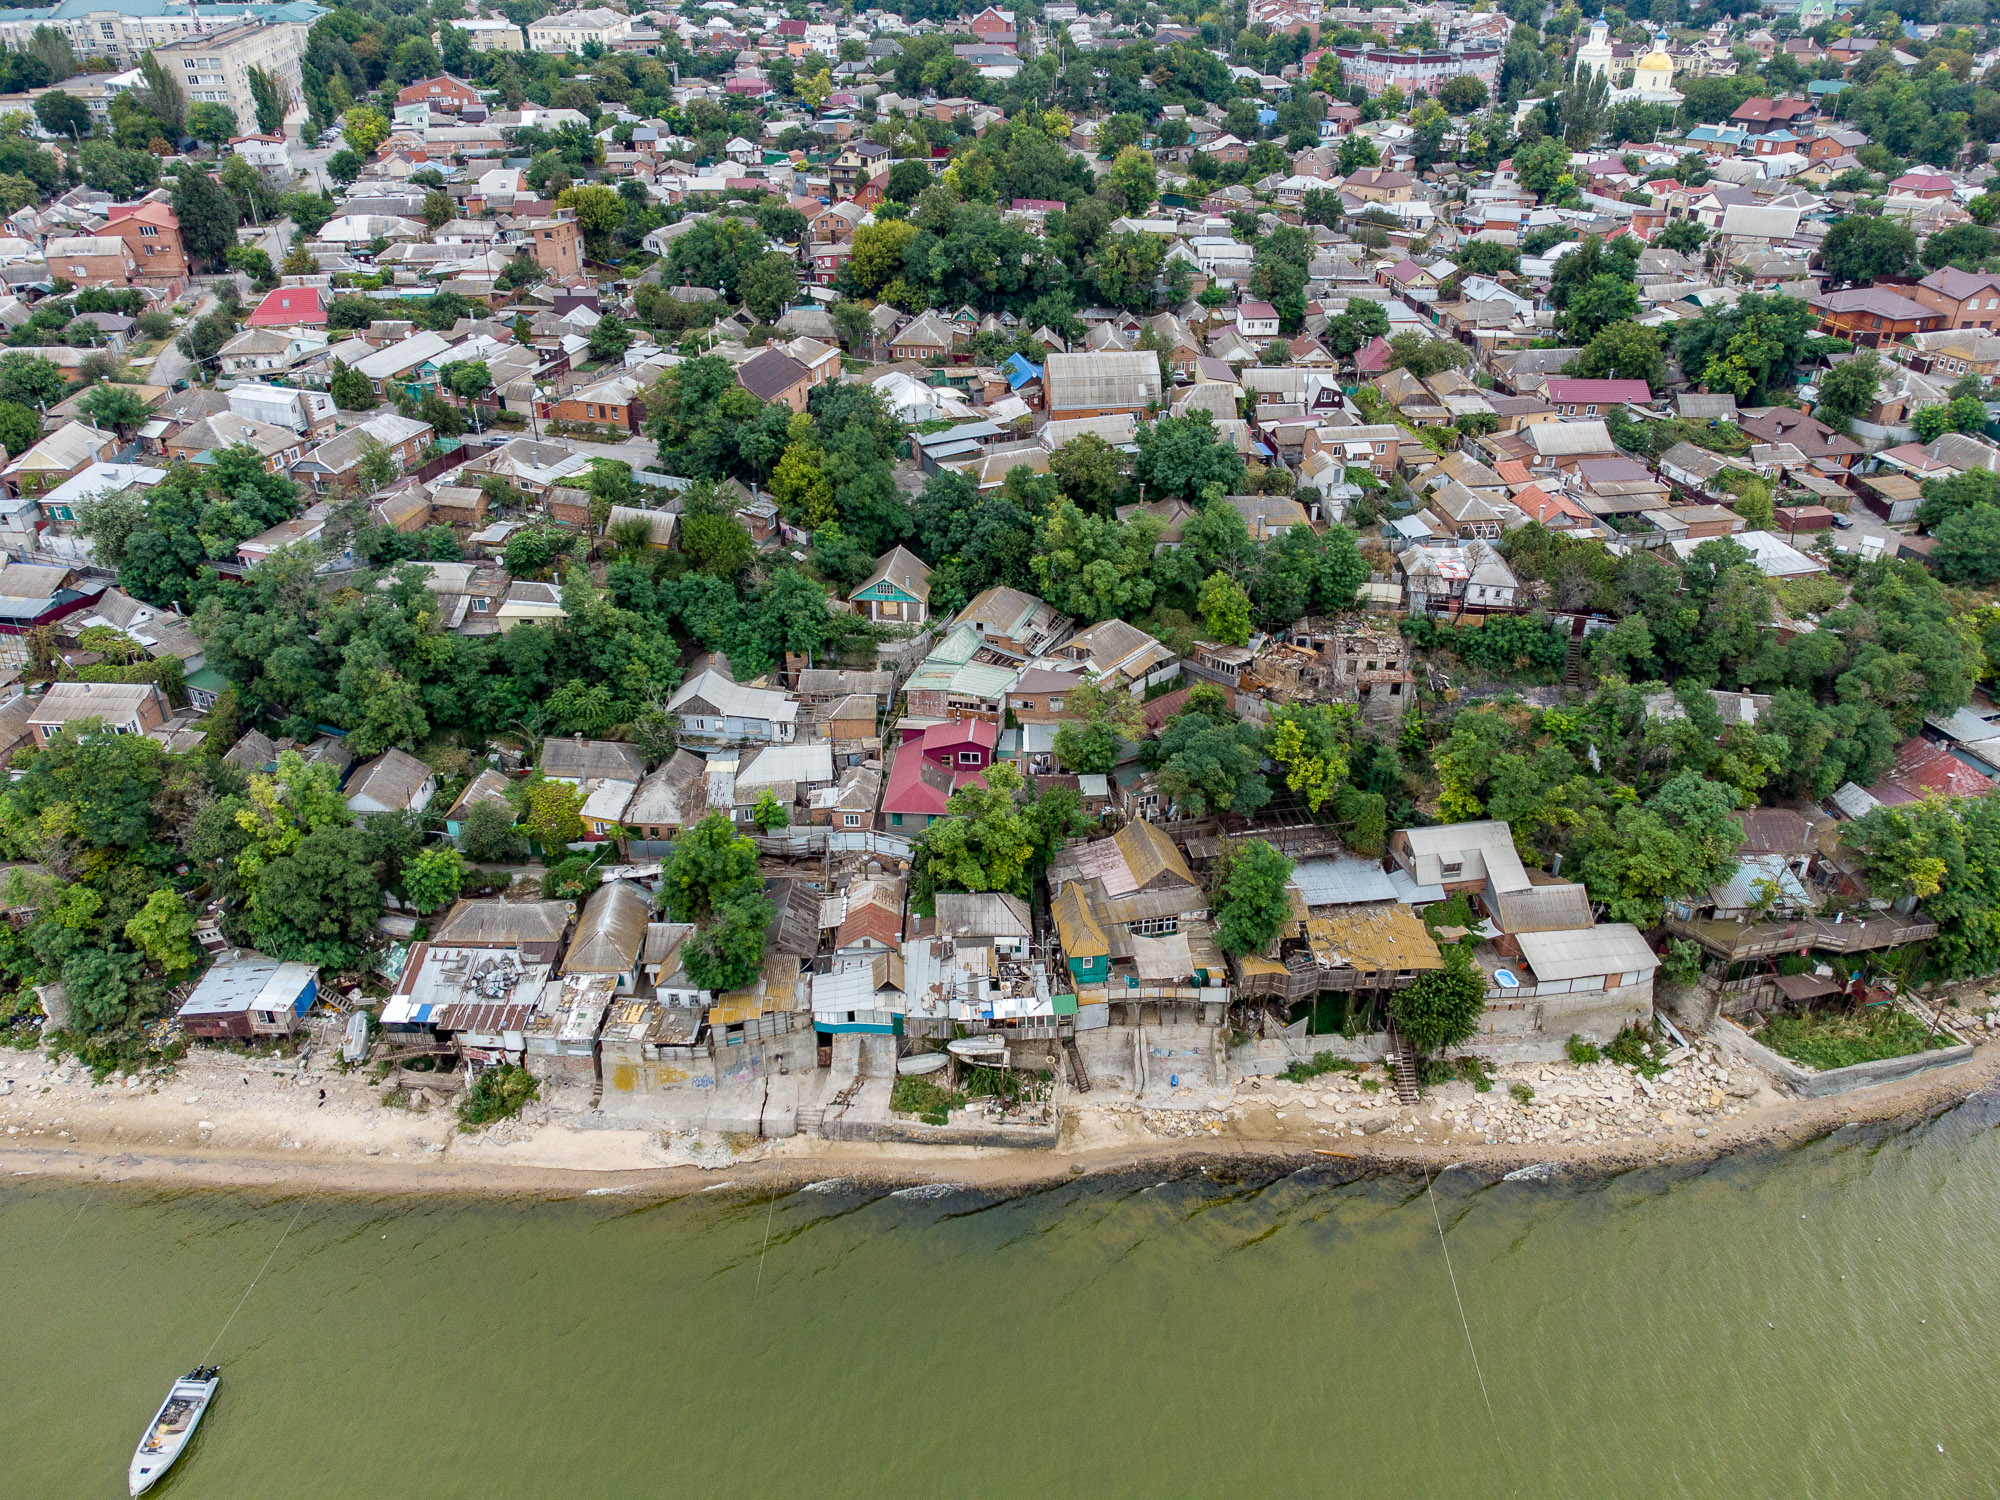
(1580, 1052)
(1319, 1064)
(497, 1094)
(1826, 1039)
(930, 1102)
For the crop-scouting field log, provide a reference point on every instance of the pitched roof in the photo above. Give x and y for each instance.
(770, 374)
(611, 931)
(902, 568)
(392, 778)
(497, 923)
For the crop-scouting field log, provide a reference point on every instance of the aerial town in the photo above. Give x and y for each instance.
(804, 572)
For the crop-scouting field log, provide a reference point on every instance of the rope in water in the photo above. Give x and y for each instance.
(258, 1277)
(1438, 1219)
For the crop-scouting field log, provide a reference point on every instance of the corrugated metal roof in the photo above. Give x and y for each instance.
(611, 933)
(1342, 882)
(1580, 953)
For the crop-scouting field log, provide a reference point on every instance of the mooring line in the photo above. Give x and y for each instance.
(1438, 1219)
(767, 1244)
(259, 1276)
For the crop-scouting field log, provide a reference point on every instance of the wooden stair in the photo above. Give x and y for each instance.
(1403, 1065)
(1573, 663)
(1078, 1074)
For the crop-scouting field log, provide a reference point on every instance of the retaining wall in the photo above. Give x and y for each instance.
(1810, 1083)
(1020, 1137)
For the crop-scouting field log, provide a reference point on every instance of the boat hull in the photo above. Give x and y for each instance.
(170, 1431)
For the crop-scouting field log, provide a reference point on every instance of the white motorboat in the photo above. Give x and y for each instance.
(919, 1063)
(988, 1051)
(172, 1427)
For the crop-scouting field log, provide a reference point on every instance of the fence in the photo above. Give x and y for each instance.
(816, 839)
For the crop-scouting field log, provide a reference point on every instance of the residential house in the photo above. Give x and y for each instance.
(278, 447)
(715, 710)
(121, 707)
(931, 764)
(336, 463)
(576, 761)
(1457, 578)
(246, 996)
(1016, 623)
(57, 458)
(669, 799)
(91, 260)
(1966, 299)
(1101, 384)
(394, 781)
(776, 376)
(898, 590)
(1874, 315)
(152, 234)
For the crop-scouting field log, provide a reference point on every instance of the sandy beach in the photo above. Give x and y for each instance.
(225, 1121)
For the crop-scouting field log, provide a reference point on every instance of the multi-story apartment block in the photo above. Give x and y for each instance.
(124, 30)
(1375, 68)
(573, 30)
(490, 35)
(215, 68)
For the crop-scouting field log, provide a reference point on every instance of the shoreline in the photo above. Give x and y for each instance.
(549, 1167)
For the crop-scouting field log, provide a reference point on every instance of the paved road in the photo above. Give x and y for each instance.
(172, 365)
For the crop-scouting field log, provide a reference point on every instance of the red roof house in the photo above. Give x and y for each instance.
(930, 766)
(1922, 769)
(1587, 398)
(1372, 358)
(290, 307)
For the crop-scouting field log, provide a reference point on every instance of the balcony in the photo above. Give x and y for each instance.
(1736, 941)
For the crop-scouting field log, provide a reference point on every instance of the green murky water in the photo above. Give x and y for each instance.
(1264, 1336)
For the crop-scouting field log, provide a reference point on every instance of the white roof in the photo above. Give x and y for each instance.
(397, 358)
(1775, 557)
(781, 763)
(103, 479)
(1484, 851)
(1581, 952)
(735, 700)
(607, 799)
(1569, 439)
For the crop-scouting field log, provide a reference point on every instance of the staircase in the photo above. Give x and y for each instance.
(1573, 663)
(810, 1118)
(1403, 1065)
(1078, 1074)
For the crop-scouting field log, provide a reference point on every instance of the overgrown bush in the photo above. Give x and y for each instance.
(497, 1094)
(1835, 1038)
(1318, 1065)
(1637, 1048)
(1580, 1052)
(930, 1102)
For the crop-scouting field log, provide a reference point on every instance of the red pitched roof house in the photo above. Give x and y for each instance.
(1923, 768)
(290, 307)
(1923, 185)
(933, 764)
(1372, 358)
(1557, 512)
(1588, 398)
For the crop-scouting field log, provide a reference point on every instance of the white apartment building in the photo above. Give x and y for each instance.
(123, 30)
(216, 68)
(572, 30)
(488, 35)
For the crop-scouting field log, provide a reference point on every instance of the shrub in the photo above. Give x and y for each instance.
(497, 1094)
(930, 1102)
(1637, 1048)
(1522, 1093)
(1318, 1064)
(1580, 1052)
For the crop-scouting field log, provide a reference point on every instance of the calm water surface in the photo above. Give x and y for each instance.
(1293, 1336)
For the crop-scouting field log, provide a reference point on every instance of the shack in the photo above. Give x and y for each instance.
(250, 996)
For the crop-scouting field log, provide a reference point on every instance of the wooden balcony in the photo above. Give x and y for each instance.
(1736, 941)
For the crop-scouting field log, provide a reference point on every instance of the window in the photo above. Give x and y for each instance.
(851, 820)
(968, 757)
(895, 820)
(1055, 705)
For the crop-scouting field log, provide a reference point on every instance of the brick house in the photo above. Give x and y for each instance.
(1966, 299)
(558, 244)
(443, 92)
(775, 376)
(1873, 315)
(153, 234)
(1375, 445)
(617, 402)
(91, 260)
(124, 708)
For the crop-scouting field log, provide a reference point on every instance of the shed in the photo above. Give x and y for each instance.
(250, 996)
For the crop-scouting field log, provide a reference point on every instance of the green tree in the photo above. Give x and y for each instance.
(489, 836)
(212, 123)
(208, 216)
(609, 337)
(1251, 898)
(712, 867)
(1091, 567)
(1090, 472)
(269, 93)
(61, 113)
(1624, 351)
(344, 166)
(768, 285)
(1848, 390)
(727, 951)
(769, 814)
(434, 878)
(1135, 179)
(1206, 766)
(364, 129)
(1968, 547)
(1441, 1008)
(1861, 248)
(30, 380)
(550, 815)
(1225, 610)
(1540, 166)
(1097, 719)
(982, 843)
(1185, 456)
(163, 930)
(351, 390)
(438, 209)
(1680, 842)
(318, 903)
(1684, 235)
(1310, 742)
(117, 406)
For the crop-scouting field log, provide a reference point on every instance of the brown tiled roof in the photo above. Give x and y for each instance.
(770, 374)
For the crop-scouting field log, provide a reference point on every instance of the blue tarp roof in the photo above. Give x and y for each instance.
(1019, 371)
